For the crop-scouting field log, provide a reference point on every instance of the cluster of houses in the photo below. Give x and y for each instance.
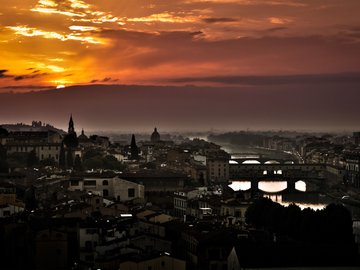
(170, 207)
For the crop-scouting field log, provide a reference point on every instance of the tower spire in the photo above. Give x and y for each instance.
(71, 128)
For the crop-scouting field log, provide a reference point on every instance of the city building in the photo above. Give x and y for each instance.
(43, 141)
(352, 165)
(109, 187)
(217, 168)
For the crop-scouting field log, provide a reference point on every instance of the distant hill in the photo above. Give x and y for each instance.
(25, 128)
(121, 107)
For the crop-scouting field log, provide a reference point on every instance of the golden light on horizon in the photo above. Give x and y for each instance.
(34, 32)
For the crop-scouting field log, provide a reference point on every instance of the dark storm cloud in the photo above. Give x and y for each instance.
(275, 80)
(31, 76)
(19, 78)
(107, 80)
(219, 20)
(2, 73)
(275, 29)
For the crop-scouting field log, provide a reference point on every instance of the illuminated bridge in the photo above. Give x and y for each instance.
(280, 177)
(250, 158)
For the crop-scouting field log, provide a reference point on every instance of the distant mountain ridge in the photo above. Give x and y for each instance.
(117, 107)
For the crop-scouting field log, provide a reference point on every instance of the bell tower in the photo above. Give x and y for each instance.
(71, 128)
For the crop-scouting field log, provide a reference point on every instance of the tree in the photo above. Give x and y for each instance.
(91, 153)
(111, 163)
(62, 162)
(93, 163)
(69, 159)
(78, 164)
(30, 199)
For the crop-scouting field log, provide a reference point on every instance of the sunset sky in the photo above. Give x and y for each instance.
(239, 43)
(67, 42)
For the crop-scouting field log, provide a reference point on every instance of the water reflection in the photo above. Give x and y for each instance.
(267, 186)
(304, 199)
(303, 205)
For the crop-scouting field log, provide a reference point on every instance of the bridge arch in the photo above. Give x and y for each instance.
(272, 162)
(272, 186)
(300, 185)
(251, 161)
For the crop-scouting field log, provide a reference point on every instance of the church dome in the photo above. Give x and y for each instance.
(83, 137)
(155, 136)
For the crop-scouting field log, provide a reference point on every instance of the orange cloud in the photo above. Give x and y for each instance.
(276, 20)
(166, 18)
(33, 32)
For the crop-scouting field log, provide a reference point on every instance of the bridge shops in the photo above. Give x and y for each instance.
(300, 171)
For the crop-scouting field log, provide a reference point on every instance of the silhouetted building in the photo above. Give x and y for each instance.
(68, 147)
(155, 136)
(84, 141)
(71, 140)
(71, 126)
(83, 136)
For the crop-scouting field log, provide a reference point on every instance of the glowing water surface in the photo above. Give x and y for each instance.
(274, 187)
(278, 199)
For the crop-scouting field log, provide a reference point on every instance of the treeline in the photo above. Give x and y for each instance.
(238, 138)
(332, 225)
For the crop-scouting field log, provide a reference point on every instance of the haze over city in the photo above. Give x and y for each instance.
(281, 64)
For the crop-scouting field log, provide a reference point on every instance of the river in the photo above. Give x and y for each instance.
(272, 190)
